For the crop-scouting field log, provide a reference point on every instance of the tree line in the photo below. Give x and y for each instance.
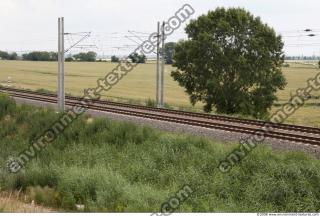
(48, 56)
(8, 56)
(84, 56)
(136, 58)
(40, 56)
(302, 57)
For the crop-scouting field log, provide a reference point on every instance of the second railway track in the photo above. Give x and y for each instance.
(293, 133)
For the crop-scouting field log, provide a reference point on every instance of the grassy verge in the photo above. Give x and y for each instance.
(111, 166)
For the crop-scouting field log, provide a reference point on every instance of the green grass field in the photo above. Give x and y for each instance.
(111, 166)
(139, 85)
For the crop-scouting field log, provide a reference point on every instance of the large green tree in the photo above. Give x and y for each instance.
(231, 61)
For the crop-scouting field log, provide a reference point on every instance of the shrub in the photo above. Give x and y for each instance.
(69, 59)
(7, 106)
(45, 91)
(151, 103)
(136, 58)
(42, 195)
(114, 59)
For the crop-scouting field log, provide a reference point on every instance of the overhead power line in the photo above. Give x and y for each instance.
(78, 42)
(297, 36)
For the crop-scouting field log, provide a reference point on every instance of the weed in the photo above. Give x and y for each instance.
(111, 166)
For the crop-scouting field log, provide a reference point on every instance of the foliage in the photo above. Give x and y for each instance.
(7, 106)
(169, 51)
(231, 61)
(69, 59)
(8, 56)
(114, 59)
(86, 57)
(40, 56)
(45, 91)
(114, 166)
(136, 58)
(151, 103)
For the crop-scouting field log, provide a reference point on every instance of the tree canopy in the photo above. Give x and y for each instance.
(40, 56)
(114, 59)
(231, 62)
(8, 56)
(136, 58)
(86, 57)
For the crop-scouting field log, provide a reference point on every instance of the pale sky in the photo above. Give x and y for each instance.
(28, 25)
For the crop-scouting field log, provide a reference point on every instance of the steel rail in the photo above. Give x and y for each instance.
(225, 126)
(298, 128)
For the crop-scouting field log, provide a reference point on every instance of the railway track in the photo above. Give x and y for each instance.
(293, 133)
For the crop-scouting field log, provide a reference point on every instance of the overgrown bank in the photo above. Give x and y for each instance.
(116, 166)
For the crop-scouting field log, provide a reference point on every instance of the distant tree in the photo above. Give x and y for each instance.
(4, 55)
(13, 56)
(40, 56)
(136, 58)
(142, 59)
(8, 56)
(53, 56)
(169, 51)
(80, 56)
(91, 56)
(86, 57)
(69, 59)
(114, 59)
(319, 64)
(232, 61)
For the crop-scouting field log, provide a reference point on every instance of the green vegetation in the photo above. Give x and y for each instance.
(86, 57)
(136, 58)
(114, 59)
(231, 62)
(117, 166)
(11, 203)
(69, 59)
(151, 103)
(53, 56)
(8, 56)
(40, 56)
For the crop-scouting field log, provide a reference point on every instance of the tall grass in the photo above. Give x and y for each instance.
(112, 166)
(12, 202)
